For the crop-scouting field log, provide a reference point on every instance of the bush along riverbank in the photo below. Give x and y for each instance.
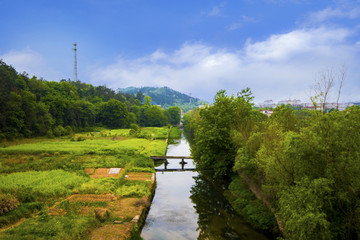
(302, 165)
(98, 188)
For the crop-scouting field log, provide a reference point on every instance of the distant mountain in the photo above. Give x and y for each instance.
(166, 97)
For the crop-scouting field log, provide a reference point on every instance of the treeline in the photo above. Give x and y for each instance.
(34, 107)
(303, 165)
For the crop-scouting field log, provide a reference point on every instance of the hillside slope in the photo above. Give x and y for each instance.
(166, 97)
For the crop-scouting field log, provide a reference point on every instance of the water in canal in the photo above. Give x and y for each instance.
(188, 206)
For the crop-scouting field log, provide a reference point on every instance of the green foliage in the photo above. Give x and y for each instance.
(27, 186)
(213, 146)
(134, 189)
(175, 133)
(74, 207)
(295, 166)
(7, 203)
(155, 132)
(98, 186)
(284, 116)
(23, 210)
(129, 147)
(154, 116)
(35, 107)
(55, 227)
(305, 164)
(254, 211)
(113, 114)
(190, 120)
(302, 209)
(134, 127)
(147, 101)
(141, 169)
(116, 186)
(167, 97)
(174, 115)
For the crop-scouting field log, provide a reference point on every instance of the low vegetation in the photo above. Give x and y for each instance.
(51, 189)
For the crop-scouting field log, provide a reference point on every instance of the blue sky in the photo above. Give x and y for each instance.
(275, 47)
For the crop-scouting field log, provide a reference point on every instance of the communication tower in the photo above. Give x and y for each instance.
(75, 63)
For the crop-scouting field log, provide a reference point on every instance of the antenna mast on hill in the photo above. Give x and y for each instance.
(75, 63)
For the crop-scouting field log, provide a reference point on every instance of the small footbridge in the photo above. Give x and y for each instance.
(166, 158)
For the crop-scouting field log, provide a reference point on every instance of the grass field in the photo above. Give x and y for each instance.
(37, 173)
(131, 146)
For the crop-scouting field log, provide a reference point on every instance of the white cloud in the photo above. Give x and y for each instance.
(216, 10)
(239, 24)
(24, 60)
(283, 46)
(31, 62)
(282, 66)
(331, 13)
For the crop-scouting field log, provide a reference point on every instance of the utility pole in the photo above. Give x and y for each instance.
(75, 63)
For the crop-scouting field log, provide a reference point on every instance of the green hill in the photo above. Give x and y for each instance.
(166, 97)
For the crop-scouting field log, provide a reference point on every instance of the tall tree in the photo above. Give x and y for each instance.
(174, 115)
(113, 114)
(213, 147)
(155, 117)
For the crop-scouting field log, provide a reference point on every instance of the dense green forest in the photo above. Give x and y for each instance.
(166, 97)
(303, 166)
(34, 107)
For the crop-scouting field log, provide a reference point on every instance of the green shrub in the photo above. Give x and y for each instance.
(175, 133)
(53, 227)
(23, 210)
(134, 127)
(49, 133)
(59, 131)
(79, 139)
(98, 186)
(7, 203)
(134, 189)
(68, 130)
(253, 210)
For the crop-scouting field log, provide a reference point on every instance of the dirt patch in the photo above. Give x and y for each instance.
(118, 213)
(121, 208)
(142, 176)
(100, 172)
(120, 138)
(90, 171)
(130, 207)
(113, 232)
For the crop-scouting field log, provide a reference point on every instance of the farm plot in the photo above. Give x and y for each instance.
(46, 191)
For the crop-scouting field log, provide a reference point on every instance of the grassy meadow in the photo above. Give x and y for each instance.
(53, 188)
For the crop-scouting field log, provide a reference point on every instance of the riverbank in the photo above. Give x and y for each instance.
(189, 206)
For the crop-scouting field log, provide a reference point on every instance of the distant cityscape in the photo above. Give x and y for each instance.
(298, 103)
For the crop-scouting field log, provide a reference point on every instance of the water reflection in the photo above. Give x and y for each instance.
(172, 215)
(188, 206)
(216, 218)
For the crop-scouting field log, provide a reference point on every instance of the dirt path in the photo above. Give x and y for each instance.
(13, 225)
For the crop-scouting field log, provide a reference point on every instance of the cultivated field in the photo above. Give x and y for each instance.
(78, 187)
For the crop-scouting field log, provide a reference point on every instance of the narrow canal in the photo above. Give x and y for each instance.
(188, 206)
